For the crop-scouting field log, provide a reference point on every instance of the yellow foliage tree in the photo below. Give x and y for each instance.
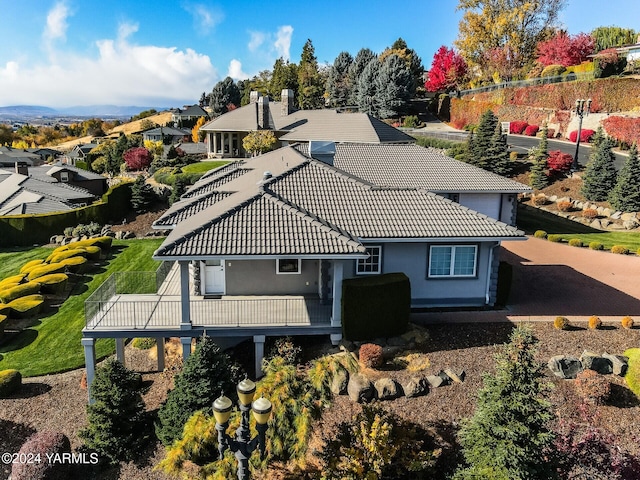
(195, 132)
(259, 141)
(155, 147)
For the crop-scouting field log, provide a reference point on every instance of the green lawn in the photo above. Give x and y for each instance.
(531, 219)
(203, 167)
(53, 344)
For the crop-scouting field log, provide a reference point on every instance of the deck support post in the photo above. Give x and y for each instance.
(258, 341)
(185, 311)
(186, 347)
(90, 363)
(336, 312)
(160, 351)
(120, 350)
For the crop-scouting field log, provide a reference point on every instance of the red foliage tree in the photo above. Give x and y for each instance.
(562, 49)
(558, 162)
(448, 70)
(137, 158)
(585, 135)
(517, 127)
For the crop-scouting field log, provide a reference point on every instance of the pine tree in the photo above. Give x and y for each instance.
(284, 77)
(625, 196)
(362, 59)
(310, 84)
(498, 153)
(394, 87)
(118, 424)
(600, 175)
(367, 88)
(206, 373)
(142, 195)
(508, 436)
(480, 142)
(178, 189)
(538, 178)
(224, 93)
(338, 82)
(597, 139)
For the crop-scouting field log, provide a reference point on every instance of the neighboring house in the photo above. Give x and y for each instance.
(10, 157)
(188, 114)
(94, 183)
(167, 135)
(47, 154)
(189, 148)
(631, 52)
(225, 133)
(263, 246)
(79, 153)
(23, 194)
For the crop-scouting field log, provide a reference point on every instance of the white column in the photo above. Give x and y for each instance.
(215, 143)
(336, 310)
(258, 341)
(160, 351)
(186, 347)
(120, 350)
(90, 363)
(185, 313)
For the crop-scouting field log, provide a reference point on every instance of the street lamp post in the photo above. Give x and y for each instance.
(582, 108)
(243, 445)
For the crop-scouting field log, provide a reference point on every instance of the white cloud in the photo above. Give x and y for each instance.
(56, 22)
(205, 18)
(121, 74)
(235, 70)
(283, 41)
(257, 39)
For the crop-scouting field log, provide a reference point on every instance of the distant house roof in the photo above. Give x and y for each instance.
(167, 131)
(190, 111)
(9, 156)
(79, 174)
(81, 151)
(414, 166)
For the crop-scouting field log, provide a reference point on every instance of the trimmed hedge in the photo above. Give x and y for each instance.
(29, 288)
(74, 264)
(377, 306)
(103, 242)
(59, 256)
(27, 267)
(632, 376)
(93, 252)
(27, 306)
(15, 279)
(10, 381)
(46, 269)
(54, 283)
(2, 319)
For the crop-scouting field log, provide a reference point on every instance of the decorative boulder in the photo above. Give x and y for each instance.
(457, 377)
(386, 388)
(593, 361)
(435, 381)
(619, 363)
(565, 367)
(415, 387)
(339, 382)
(360, 389)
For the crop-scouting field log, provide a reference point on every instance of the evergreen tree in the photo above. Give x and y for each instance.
(206, 373)
(224, 93)
(538, 156)
(142, 195)
(285, 76)
(368, 88)
(480, 142)
(362, 59)
(338, 86)
(498, 153)
(597, 139)
(411, 59)
(178, 189)
(625, 196)
(118, 424)
(310, 84)
(393, 87)
(508, 436)
(600, 175)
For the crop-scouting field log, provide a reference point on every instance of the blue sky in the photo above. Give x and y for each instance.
(166, 53)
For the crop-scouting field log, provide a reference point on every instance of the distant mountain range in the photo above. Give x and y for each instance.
(83, 111)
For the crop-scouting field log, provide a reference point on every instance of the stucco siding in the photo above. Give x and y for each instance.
(486, 203)
(258, 277)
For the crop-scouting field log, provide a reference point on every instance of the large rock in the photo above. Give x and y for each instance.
(596, 224)
(593, 361)
(360, 389)
(415, 387)
(619, 363)
(565, 367)
(435, 381)
(629, 216)
(630, 224)
(386, 389)
(339, 382)
(457, 377)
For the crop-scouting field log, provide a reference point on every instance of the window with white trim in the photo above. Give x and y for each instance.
(372, 264)
(288, 266)
(452, 260)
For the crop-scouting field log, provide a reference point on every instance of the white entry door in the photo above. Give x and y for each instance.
(214, 276)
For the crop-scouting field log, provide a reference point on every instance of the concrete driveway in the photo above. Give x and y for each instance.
(551, 279)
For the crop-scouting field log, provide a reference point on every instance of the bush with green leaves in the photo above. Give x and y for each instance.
(206, 373)
(285, 348)
(540, 234)
(509, 436)
(596, 246)
(118, 424)
(561, 323)
(555, 238)
(619, 250)
(575, 242)
(10, 381)
(143, 343)
(323, 370)
(632, 377)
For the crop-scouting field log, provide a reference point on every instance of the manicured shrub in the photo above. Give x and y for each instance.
(44, 446)
(27, 306)
(103, 242)
(539, 200)
(561, 323)
(45, 269)
(585, 135)
(638, 252)
(627, 322)
(27, 267)
(632, 377)
(54, 283)
(559, 162)
(594, 389)
(594, 322)
(540, 234)
(531, 130)
(10, 382)
(12, 280)
(513, 156)
(553, 70)
(565, 206)
(4, 309)
(118, 425)
(517, 127)
(590, 213)
(74, 264)
(93, 252)
(555, 238)
(58, 257)
(143, 343)
(575, 242)
(18, 291)
(370, 355)
(619, 250)
(596, 246)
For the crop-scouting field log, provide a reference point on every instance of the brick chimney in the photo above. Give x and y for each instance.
(286, 106)
(22, 168)
(263, 112)
(254, 96)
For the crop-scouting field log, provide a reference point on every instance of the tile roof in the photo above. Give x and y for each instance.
(186, 208)
(417, 167)
(214, 182)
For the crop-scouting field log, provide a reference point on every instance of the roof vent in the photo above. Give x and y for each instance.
(322, 150)
(266, 176)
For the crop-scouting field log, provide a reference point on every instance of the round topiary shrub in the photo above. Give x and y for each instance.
(565, 206)
(595, 246)
(554, 238)
(619, 250)
(593, 388)
(627, 322)
(575, 242)
(594, 322)
(590, 213)
(143, 343)
(561, 323)
(540, 234)
(539, 200)
(513, 156)
(45, 445)
(10, 381)
(370, 355)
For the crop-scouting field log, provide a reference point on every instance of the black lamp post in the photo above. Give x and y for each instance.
(243, 445)
(582, 108)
